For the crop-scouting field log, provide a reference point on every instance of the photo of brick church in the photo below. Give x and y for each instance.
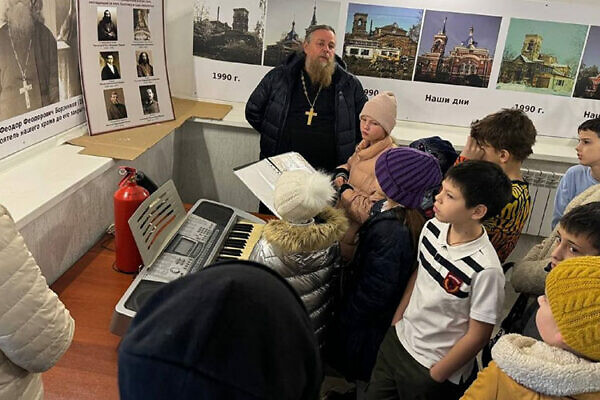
(457, 48)
(587, 85)
(382, 41)
(541, 56)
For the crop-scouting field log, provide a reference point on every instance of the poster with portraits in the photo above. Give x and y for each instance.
(448, 62)
(40, 92)
(123, 64)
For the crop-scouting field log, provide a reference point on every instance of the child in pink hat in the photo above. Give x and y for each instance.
(356, 183)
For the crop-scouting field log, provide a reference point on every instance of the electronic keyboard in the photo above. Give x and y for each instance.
(173, 244)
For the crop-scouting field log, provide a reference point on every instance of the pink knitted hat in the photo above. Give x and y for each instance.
(382, 108)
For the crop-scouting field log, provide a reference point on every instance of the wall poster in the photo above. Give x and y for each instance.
(447, 62)
(123, 63)
(40, 93)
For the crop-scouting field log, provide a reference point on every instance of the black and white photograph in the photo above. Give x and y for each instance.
(35, 39)
(144, 63)
(137, 58)
(114, 100)
(287, 23)
(107, 23)
(141, 31)
(149, 99)
(109, 65)
(227, 31)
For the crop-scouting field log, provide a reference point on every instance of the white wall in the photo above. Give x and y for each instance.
(199, 158)
(61, 235)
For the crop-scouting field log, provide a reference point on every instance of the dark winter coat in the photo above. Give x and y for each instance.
(269, 104)
(382, 266)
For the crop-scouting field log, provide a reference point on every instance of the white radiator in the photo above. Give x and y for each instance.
(542, 188)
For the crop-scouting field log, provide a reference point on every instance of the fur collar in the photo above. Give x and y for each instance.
(365, 152)
(544, 368)
(291, 238)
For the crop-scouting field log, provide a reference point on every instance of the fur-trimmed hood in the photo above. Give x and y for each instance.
(307, 256)
(546, 369)
(290, 238)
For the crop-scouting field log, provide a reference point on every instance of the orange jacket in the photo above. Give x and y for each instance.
(493, 384)
(528, 369)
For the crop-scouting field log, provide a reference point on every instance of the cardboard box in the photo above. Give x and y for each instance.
(128, 144)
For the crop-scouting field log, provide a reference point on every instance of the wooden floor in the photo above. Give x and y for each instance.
(90, 290)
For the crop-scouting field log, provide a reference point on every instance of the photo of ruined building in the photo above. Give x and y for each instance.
(382, 41)
(457, 48)
(227, 32)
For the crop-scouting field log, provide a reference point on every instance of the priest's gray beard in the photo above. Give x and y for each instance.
(20, 21)
(320, 73)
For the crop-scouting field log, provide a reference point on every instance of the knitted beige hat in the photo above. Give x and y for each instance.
(573, 292)
(300, 195)
(382, 108)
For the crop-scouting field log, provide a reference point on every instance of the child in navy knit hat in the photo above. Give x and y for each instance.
(443, 151)
(385, 257)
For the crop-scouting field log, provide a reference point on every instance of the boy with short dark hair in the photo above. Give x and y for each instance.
(453, 299)
(577, 234)
(580, 177)
(505, 138)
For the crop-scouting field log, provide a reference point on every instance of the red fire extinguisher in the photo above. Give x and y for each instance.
(126, 201)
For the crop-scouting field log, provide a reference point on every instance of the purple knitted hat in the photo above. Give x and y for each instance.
(404, 174)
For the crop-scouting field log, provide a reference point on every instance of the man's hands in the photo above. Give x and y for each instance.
(472, 150)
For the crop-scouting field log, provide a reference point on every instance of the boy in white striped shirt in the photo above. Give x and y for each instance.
(455, 296)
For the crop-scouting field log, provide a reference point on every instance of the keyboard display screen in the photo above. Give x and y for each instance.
(184, 247)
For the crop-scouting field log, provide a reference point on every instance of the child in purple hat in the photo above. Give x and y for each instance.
(385, 258)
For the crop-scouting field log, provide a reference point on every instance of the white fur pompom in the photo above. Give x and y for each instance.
(300, 195)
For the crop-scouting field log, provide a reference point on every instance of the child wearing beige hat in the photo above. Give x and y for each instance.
(566, 365)
(356, 183)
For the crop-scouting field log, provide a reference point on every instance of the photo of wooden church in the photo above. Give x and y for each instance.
(547, 57)
(287, 23)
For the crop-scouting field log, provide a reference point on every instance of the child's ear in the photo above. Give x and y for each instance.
(560, 342)
(479, 212)
(504, 155)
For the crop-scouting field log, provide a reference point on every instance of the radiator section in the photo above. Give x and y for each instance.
(542, 188)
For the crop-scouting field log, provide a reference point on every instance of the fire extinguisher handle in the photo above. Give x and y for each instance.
(128, 173)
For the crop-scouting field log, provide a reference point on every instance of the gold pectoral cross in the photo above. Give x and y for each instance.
(311, 113)
(25, 90)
